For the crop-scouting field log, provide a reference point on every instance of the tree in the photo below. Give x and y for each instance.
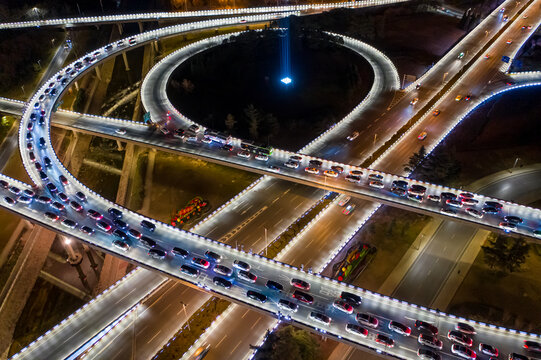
(230, 122)
(494, 253)
(187, 85)
(289, 343)
(415, 159)
(517, 255)
(505, 253)
(254, 117)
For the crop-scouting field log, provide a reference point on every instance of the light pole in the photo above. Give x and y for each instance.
(133, 332)
(375, 137)
(186, 315)
(444, 76)
(266, 243)
(39, 63)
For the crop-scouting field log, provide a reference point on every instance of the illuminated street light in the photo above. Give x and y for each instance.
(287, 80)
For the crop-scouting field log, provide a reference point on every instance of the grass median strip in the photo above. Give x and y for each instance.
(203, 318)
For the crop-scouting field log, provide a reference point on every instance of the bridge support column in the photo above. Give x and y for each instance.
(119, 144)
(120, 28)
(76, 86)
(155, 44)
(125, 61)
(140, 26)
(98, 72)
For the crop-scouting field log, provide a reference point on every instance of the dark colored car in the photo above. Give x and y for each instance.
(337, 169)
(120, 234)
(465, 328)
(400, 184)
(513, 219)
(352, 299)
(47, 161)
(87, 230)
(423, 325)
(515, 356)
(76, 206)
(44, 199)
(104, 226)
(273, 285)
(227, 147)
(254, 295)
(80, 196)
(448, 196)
(51, 187)
(304, 297)
(222, 282)
(4, 184)
(63, 197)
(384, 340)
(115, 213)
(157, 254)
(93, 214)
(58, 206)
(212, 256)
(426, 354)
(63, 180)
(51, 216)
(120, 224)
(490, 210)
(494, 204)
(188, 270)
(134, 234)
(148, 242)
(180, 252)
(43, 176)
(315, 163)
(353, 178)
(42, 142)
(532, 346)
(148, 225)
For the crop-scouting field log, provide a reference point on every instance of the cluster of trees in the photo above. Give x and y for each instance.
(289, 343)
(505, 254)
(438, 167)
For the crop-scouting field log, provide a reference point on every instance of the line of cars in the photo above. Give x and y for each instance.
(452, 202)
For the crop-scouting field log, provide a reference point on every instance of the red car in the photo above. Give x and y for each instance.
(304, 297)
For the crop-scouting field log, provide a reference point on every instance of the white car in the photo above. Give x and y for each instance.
(121, 245)
(376, 184)
(120, 131)
(507, 226)
(206, 140)
(291, 164)
(435, 198)
(353, 136)
(244, 154)
(475, 213)
(330, 173)
(312, 170)
(261, 157)
(344, 201)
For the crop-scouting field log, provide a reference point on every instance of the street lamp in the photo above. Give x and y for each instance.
(186, 314)
(444, 76)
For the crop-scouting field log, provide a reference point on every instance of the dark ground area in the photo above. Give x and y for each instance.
(396, 31)
(529, 55)
(496, 134)
(328, 80)
(41, 313)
